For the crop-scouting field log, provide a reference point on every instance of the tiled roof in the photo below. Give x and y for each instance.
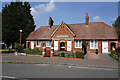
(95, 30)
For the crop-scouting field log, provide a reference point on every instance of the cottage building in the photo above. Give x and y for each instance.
(69, 37)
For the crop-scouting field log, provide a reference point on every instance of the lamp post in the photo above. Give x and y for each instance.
(20, 36)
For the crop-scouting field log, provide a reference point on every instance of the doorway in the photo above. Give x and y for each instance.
(62, 46)
(28, 44)
(112, 45)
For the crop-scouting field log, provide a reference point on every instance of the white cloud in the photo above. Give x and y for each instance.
(96, 18)
(42, 8)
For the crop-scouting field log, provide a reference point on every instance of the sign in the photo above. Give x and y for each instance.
(62, 36)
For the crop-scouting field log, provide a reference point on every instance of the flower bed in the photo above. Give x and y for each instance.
(33, 51)
(114, 55)
(77, 54)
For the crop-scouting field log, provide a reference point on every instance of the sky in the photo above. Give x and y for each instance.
(72, 12)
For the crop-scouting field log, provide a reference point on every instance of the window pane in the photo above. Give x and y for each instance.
(49, 43)
(76, 43)
(79, 43)
(38, 43)
(96, 44)
(92, 43)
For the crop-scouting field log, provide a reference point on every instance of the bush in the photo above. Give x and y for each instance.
(33, 51)
(68, 55)
(19, 48)
(114, 57)
(113, 52)
(117, 51)
(96, 50)
(62, 54)
(79, 54)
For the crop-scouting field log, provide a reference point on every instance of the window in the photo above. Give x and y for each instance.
(38, 44)
(78, 44)
(93, 44)
(48, 43)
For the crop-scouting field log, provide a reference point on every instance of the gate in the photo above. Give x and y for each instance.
(47, 53)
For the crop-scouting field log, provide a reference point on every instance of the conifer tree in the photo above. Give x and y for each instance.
(16, 16)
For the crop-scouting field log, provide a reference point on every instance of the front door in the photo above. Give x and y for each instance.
(32, 44)
(69, 45)
(104, 46)
(55, 44)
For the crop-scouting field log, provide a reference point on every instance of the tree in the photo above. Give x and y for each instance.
(16, 16)
(116, 24)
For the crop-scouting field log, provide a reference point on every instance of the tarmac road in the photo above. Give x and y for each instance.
(10, 70)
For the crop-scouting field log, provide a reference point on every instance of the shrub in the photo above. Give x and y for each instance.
(117, 50)
(79, 54)
(18, 47)
(68, 54)
(33, 51)
(113, 52)
(84, 44)
(96, 50)
(62, 54)
(27, 51)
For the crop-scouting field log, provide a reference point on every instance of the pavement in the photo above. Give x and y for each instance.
(90, 60)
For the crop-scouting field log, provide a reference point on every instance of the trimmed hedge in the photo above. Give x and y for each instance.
(33, 51)
(8, 51)
(79, 54)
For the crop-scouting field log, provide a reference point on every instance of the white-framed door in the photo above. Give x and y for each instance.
(104, 46)
(69, 45)
(55, 44)
(32, 44)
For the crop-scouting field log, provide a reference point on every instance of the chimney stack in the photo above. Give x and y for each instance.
(87, 19)
(50, 22)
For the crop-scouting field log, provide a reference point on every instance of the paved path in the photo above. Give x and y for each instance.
(91, 60)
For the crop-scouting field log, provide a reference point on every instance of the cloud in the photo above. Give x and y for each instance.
(42, 8)
(96, 18)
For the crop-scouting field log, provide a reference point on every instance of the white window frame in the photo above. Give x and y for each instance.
(77, 42)
(48, 43)
(94, 45)
(39, 44)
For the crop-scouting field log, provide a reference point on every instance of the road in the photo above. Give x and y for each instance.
(55, 71)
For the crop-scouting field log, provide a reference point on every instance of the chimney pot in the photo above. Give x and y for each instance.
(50, 22)
(87, 19)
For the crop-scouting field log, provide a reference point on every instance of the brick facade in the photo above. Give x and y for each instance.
(63, 34)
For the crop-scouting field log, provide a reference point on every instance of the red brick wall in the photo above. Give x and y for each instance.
(58, 45)
(109, 46)
(116, 45)
(62, 30)
(65, 45)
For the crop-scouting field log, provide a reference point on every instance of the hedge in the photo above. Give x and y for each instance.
(79, 54)
(8, 51)
(33, 51)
